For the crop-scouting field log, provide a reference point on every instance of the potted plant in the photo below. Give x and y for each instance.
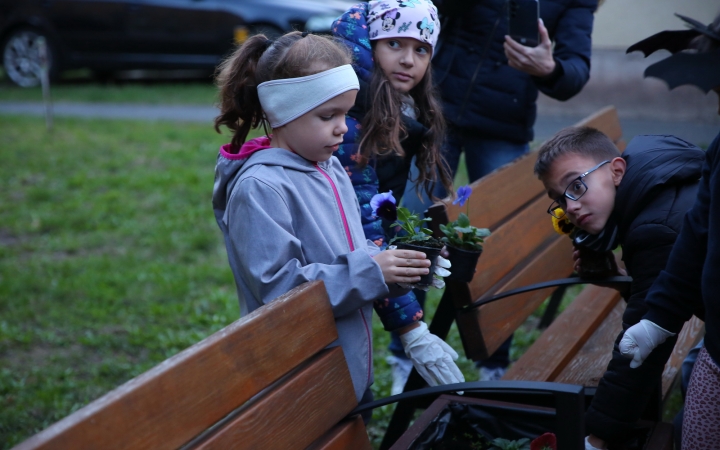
(464, 241)
(412, 232)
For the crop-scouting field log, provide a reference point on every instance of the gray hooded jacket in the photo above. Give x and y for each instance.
(287, 221)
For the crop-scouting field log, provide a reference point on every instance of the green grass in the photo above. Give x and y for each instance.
(110, 259)
(191, 93)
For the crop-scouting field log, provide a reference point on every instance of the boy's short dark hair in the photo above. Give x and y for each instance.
(584, 141)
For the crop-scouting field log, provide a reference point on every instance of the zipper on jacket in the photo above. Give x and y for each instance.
(352, 248)
(342, 211)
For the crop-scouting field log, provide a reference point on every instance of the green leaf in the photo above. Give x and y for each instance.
(470, 230)
(426, 231)
(463, 220)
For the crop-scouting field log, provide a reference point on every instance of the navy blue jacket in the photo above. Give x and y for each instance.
(659, 186)
(690, 283)
(499, 101)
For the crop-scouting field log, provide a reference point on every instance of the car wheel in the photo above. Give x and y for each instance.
(21, 57)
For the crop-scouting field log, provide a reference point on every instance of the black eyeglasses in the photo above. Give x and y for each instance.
(576, 189)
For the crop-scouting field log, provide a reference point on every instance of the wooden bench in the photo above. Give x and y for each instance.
(524, 250)
(265, 381)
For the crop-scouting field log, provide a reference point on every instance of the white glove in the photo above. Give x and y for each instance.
(640, 339)
(432, 357)
(589, 446)
(441, 266)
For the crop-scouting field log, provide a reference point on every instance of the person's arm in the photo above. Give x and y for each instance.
(272, 260)
(571, 53)
(676, 294)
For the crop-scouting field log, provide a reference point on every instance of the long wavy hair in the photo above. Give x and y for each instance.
(383, 130)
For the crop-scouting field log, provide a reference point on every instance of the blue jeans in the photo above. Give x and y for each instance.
(482, 156)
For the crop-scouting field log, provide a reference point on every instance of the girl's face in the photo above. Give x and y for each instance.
(318, 133)
(403, 60)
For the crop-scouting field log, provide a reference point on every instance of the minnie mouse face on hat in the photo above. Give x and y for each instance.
(427, 28)
(389, 20)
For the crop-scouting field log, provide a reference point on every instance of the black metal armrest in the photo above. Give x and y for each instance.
(618, 282)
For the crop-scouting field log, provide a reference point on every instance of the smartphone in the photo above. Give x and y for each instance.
(523, 21)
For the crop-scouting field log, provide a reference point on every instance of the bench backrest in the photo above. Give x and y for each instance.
(523, 248)
(267, 381)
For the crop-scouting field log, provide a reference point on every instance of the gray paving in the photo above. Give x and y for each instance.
(181, 113)
(693, 131)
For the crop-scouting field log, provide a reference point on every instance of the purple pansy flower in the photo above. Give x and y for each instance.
(384, 205)
(463, 194)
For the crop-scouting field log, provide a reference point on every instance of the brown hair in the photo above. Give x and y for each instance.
(584, 141)
(383, 128)
(258, 60)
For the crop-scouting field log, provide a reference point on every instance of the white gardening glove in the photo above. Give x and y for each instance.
(432, 357)
(640, 339)
(441, 266)
(589, 446)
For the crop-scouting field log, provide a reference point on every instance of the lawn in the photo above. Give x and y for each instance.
(111, 261)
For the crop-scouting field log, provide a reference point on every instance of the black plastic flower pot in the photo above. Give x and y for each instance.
(430, 252)
(463, 264)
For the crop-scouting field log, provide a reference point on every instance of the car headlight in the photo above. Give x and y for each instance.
(320, 23)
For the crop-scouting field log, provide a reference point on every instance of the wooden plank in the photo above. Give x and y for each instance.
(182, 396)
(485, 328)
(559, 343)
(295, 413)
(590, 363)
(347, 435)
(688, 338)
(605, 120)
(500, 193)
(512, 243)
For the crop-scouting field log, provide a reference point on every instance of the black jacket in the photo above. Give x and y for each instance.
(659, 187)
(499, 101)
(690, 284)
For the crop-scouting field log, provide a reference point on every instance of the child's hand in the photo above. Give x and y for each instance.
(402, 266)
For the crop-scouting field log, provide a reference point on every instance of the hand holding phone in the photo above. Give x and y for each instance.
(536, 61)
(523, 18)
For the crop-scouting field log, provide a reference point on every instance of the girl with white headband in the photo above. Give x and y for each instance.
(283, 202)
(397, 116)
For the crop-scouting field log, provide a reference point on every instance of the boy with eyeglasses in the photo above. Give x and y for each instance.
(636, 200)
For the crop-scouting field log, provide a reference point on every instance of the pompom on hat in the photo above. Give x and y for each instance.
(417, 19)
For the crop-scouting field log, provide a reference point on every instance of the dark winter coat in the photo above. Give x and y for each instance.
(480, 92)
(690, 283)
(658, 188)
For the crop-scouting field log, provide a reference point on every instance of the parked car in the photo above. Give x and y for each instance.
(110, 35)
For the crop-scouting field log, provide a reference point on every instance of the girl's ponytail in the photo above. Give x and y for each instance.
(240, 108)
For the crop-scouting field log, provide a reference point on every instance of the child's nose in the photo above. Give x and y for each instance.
(407, 59)
(341, 127)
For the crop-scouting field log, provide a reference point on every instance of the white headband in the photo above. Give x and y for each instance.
(287, 99)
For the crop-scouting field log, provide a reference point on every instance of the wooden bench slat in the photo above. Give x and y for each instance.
(688, 338)
(170, 404)
(511, 244)
(590, 363)
(295, 413)
(485, 328)
(348, 435)
(500, 193)
(559, 343)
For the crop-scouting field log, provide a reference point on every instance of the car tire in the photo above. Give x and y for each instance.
(21, 59)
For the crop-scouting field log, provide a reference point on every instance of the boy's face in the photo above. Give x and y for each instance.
(591, 211)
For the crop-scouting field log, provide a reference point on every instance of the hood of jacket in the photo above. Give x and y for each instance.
(353, 30)
(653, 163)
(231, 163)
